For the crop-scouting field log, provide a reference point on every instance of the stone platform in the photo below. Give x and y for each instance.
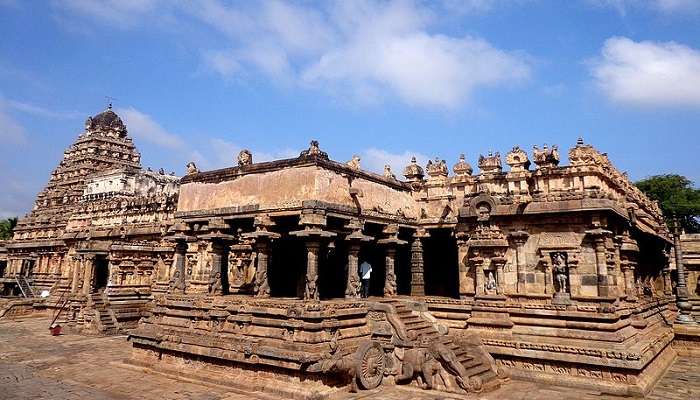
(35, 365)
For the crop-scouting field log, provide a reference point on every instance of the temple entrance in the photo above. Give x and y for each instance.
(441, 271)
(332, 267)
(3, 266)
(101, 273)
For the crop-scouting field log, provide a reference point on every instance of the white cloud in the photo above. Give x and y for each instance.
(374, 160)
(648, 73)
(662, 6)
(117, 13)
(38, 110)
(366, 50)
(142, 126)
(11, 131)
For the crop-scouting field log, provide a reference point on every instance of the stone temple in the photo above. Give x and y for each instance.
(248, 275)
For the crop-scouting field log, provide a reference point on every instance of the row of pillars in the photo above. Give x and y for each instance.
(314, 236)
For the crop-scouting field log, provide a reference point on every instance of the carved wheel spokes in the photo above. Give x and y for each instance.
(371, 365)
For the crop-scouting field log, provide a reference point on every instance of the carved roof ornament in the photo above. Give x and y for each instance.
(462, 168)
(517, 160)
(490, 163)
(192, 168)
(413, 172)
(314, 151)
(387, 172)
(245, 157)
(583, 154)
(546, 157)
(354, 163)
(437, 169)
(107, 122)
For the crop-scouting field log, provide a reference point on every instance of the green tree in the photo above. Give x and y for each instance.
(7, 226)
(676, 196)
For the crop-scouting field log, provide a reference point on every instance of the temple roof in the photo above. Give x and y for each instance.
(106, 120)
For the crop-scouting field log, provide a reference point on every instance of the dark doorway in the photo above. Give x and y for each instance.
(441, 272)
(3, 266)
(332, 266)
(286, 271)
(27, 267)
(101, 273)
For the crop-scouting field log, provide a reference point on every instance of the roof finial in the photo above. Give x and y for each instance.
(109, 100)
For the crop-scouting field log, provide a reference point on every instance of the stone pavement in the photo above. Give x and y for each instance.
(35, 365)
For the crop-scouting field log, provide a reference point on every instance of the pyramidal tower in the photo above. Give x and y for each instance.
(102, 146)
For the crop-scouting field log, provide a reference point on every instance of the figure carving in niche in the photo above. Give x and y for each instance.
(245, 157)
(483, 212)
(311, 291)
(388, 173)
(215, 283)
(177, 283)
(560, 271)
(490, 284)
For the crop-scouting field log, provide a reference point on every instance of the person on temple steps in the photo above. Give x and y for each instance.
(365, 274)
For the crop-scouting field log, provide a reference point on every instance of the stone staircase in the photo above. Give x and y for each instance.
(24, 286)
(103, 320)
(468, 351)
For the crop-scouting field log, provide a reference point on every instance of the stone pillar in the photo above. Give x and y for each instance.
(77, 267)
(89, 267)
(215, 275)
(179, 261)
(390, 275)
(417, 265)
(311, 289)
(478, 263)
(520, 238)
(598, 235)
(262, 286)
(601, 267)
(353, 285)
(466, 282)
(684, 307)
(499, 262)
(548, 278)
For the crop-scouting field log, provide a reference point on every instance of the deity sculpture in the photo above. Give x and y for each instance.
(388, 173)
(490, 282)
(560, 271)
(355, 162)
(245, 157)
(192, 168)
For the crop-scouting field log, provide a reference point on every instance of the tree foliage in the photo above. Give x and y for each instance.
(677, 197)
(7, 226)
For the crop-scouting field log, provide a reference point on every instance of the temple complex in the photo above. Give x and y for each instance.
(547, 272)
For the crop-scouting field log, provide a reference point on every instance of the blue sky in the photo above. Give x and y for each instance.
(199, 80)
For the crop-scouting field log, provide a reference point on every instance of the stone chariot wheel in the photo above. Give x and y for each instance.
(370, 366)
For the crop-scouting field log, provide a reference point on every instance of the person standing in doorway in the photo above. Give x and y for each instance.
(365, 274)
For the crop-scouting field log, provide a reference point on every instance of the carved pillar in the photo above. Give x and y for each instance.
(77, 267)
(628, 256)
(466, 282)
(216, 273)
(684, 307)
(311, 289)
(520, 238)
(88, 269)
(598, 235)
(352, 287)
(390, 258)
(668, 287)
(499, 262)
(417, 265)
(262, 286)
(390, 277)
(548, 277)
(262, 237)
(179, 261)
(478, 263)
